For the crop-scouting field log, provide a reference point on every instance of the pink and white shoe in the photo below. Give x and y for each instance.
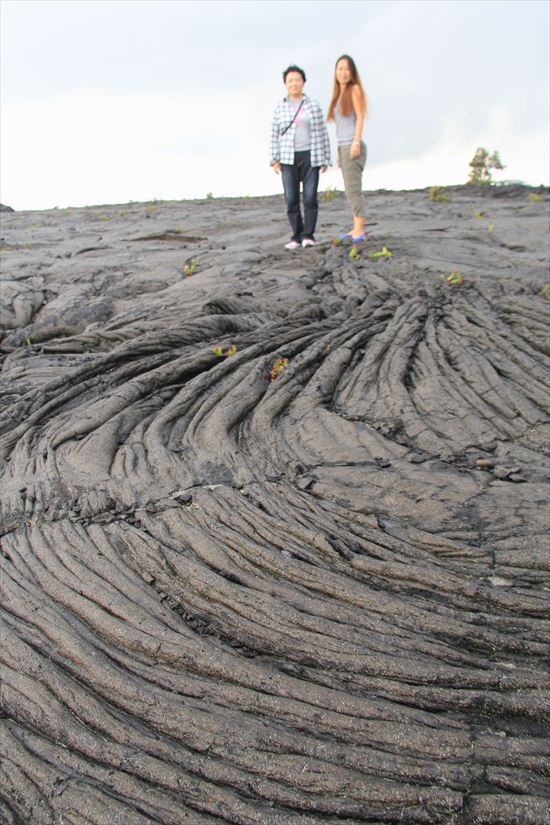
(292, 245)
(308, 242)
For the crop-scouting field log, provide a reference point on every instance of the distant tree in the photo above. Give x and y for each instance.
(481, 165)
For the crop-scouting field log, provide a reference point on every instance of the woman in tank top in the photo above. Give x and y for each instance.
(348, 109)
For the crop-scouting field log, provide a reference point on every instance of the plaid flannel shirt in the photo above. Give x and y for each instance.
(282, 146)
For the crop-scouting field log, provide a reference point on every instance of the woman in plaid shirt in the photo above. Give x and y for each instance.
(300, 146)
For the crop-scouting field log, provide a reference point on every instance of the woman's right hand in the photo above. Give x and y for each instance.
(276, 167)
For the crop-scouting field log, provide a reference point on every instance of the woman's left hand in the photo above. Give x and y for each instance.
(324, 168)
(355, 150)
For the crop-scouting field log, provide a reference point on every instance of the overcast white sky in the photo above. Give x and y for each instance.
(107, 101)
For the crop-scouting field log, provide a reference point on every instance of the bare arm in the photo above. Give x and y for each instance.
(359, 109)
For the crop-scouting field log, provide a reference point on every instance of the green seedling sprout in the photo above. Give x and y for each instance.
(453, 278)
(382, 253)
(190, 268)
(227, 353)
(277, 367)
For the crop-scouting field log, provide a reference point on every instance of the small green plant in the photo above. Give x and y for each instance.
(478, 215)
(329, 194)
(453, 278)
(277, 367)
(177, 230)
(190, 268)
(382, 253)
(224, 353)
(490, 227)
(28, 342)
(438, 194)
(545, 291)
(482, 164)
(535, 197)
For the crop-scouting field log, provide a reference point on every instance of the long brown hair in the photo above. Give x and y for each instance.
(346, 105)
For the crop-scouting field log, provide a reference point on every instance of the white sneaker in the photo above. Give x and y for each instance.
(308, 242)
(292, 245)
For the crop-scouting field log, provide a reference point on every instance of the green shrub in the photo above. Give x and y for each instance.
(438, 194)
(329, 194)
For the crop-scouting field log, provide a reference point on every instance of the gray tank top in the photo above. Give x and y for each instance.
(345, 126)
(302, 135)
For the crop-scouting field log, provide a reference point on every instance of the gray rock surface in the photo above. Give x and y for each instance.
(318, 598)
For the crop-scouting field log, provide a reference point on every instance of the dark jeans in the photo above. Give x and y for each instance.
(301, 172)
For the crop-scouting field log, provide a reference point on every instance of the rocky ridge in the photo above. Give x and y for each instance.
(273, 524)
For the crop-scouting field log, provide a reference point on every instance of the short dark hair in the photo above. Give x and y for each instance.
(294, 69)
